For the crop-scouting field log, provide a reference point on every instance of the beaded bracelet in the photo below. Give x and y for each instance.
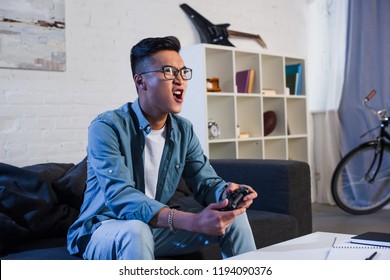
(170, 220)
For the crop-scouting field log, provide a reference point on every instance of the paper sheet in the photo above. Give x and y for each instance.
(345, 250)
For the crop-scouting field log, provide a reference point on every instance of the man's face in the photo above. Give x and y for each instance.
(159, 96)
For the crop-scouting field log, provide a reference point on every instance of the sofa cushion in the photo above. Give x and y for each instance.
(269, 227)
(41, 249)
(38, 201)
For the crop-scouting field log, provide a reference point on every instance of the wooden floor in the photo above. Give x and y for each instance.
(332, 219)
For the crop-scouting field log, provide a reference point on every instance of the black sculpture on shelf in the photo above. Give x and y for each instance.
(216, 34)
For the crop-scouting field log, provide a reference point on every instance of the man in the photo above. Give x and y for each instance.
(136, 157)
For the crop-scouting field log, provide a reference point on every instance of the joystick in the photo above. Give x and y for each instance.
(235, 198)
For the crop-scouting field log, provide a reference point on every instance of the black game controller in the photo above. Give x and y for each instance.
(235, 198)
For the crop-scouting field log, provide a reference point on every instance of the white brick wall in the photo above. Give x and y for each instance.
(44, 115)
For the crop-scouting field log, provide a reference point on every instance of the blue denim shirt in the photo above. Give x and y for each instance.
(115, 181)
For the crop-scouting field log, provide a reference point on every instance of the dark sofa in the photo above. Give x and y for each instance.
(38, 203)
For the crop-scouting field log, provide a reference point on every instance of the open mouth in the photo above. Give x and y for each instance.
(178, 94)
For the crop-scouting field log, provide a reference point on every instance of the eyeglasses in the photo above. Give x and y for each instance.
(170, 72)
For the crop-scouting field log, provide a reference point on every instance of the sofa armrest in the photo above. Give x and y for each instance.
(283, 186)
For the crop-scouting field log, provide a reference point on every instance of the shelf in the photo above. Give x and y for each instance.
(295, 61)
(249, 118)
(245, 61)
(222, 150)
(275, 149)
(243, 113)
(250, 149)
(297, 149)
(219, 64)
(273, 73)
(276, 105)
(296, 112)
(221, 109)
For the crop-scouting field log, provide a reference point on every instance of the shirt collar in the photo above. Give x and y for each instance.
(144, 125)
(143, 122)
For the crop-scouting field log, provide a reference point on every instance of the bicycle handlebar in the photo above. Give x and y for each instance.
(381, 114)
(370, 95)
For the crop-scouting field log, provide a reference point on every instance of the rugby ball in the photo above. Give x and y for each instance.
(269, 122)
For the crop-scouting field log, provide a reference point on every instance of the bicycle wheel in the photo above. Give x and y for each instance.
(351, 188)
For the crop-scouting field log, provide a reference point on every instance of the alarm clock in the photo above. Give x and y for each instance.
(214, 130)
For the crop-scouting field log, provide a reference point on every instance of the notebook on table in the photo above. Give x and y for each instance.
(372, 238)
(347, 250)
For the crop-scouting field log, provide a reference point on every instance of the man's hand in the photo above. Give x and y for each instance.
(247, 200)
(210, 220)
(214, 222)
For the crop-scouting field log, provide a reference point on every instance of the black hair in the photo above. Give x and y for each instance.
(141, 52)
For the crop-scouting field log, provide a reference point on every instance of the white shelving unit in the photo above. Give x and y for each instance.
(232, 110)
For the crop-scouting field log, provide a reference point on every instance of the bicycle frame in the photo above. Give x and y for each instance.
(382, 115)
(379, 150)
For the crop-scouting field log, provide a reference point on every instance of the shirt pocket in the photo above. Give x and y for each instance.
(172, 179)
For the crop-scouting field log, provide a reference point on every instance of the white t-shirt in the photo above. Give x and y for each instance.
(154, 146)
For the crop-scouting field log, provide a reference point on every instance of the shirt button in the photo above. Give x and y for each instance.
(110, 171)
(177, 166)
(148, 129)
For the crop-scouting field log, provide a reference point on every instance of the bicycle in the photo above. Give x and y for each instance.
(361, 180)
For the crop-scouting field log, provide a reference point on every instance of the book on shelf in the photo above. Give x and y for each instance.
(344, 249)
(268, 91)
(245, 80)
(372, 238)
(294, 78)
(244, 135)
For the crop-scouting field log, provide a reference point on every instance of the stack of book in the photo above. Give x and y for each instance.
(245, 80)
(372, 238)
(294, 78)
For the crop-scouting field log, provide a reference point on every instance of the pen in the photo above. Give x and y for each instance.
(372, 256)
(334, 241)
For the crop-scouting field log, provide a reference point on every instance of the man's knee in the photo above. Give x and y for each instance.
(116, 239)
(134, 233)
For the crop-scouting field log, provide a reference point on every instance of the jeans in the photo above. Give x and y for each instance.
(135, 240)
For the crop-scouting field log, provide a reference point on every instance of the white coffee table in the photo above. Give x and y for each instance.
(314, 246)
